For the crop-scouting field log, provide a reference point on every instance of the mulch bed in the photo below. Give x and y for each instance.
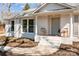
(64, 53)
(17, 42)
(14, 42)
(67, 50)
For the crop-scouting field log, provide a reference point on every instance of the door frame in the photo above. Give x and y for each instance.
(51, 23)
(12, 32)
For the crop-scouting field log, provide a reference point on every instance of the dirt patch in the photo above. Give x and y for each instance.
(28, 45)
(68, 50)
(13, 44)
(3, 38)
(64, 53)
(17, 42)
(76, 44)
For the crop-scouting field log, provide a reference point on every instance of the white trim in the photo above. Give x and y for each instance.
(50, 24)
(36, 30)
(22, 26)
(78, 25)
(56, 12)
(63, 4)
(27, 25)
(39, 7)
(67, 5)
(71, 26)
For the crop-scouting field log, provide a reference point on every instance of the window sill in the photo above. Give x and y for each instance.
(28, 32)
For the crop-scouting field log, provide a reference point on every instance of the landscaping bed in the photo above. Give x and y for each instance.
(17, 42)
(23, 46)
(67, 50)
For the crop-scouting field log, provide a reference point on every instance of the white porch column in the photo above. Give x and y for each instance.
(71, 26)
(36, 30)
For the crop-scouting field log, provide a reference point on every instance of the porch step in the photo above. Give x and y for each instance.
(55, 41)
(50, 41)
(67, 41)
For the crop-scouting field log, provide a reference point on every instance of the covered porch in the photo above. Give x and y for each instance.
(56, 27)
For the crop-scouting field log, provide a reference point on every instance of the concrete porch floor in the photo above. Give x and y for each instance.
(55, 41)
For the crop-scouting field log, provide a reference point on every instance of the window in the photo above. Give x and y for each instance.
(25, 25)
(75, 25)
(76, 19)
(12, 25)
(31, 25)
(28, 25)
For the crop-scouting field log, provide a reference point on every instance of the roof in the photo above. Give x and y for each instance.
(73, 4)
(11, 15)
(30, 12)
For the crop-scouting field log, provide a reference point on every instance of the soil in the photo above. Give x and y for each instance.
(17, 42)
(64, 53)
(67, 50)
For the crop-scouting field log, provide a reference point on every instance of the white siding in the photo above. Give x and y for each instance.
(42, 23)
(17, 28)
(8, 28)
(28, 35)
(65, 22)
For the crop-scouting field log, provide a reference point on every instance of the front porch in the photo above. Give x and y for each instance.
(55, 29)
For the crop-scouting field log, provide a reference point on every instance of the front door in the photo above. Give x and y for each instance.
(12, 28)
(55, 26)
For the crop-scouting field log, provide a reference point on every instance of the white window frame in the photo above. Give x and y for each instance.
(33, 25)
(27, 25)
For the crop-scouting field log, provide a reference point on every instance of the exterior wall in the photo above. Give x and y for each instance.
(7, 28)
(42, 22)
(17, 28)
(65, 23)
(18, 32)
(51, 7)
